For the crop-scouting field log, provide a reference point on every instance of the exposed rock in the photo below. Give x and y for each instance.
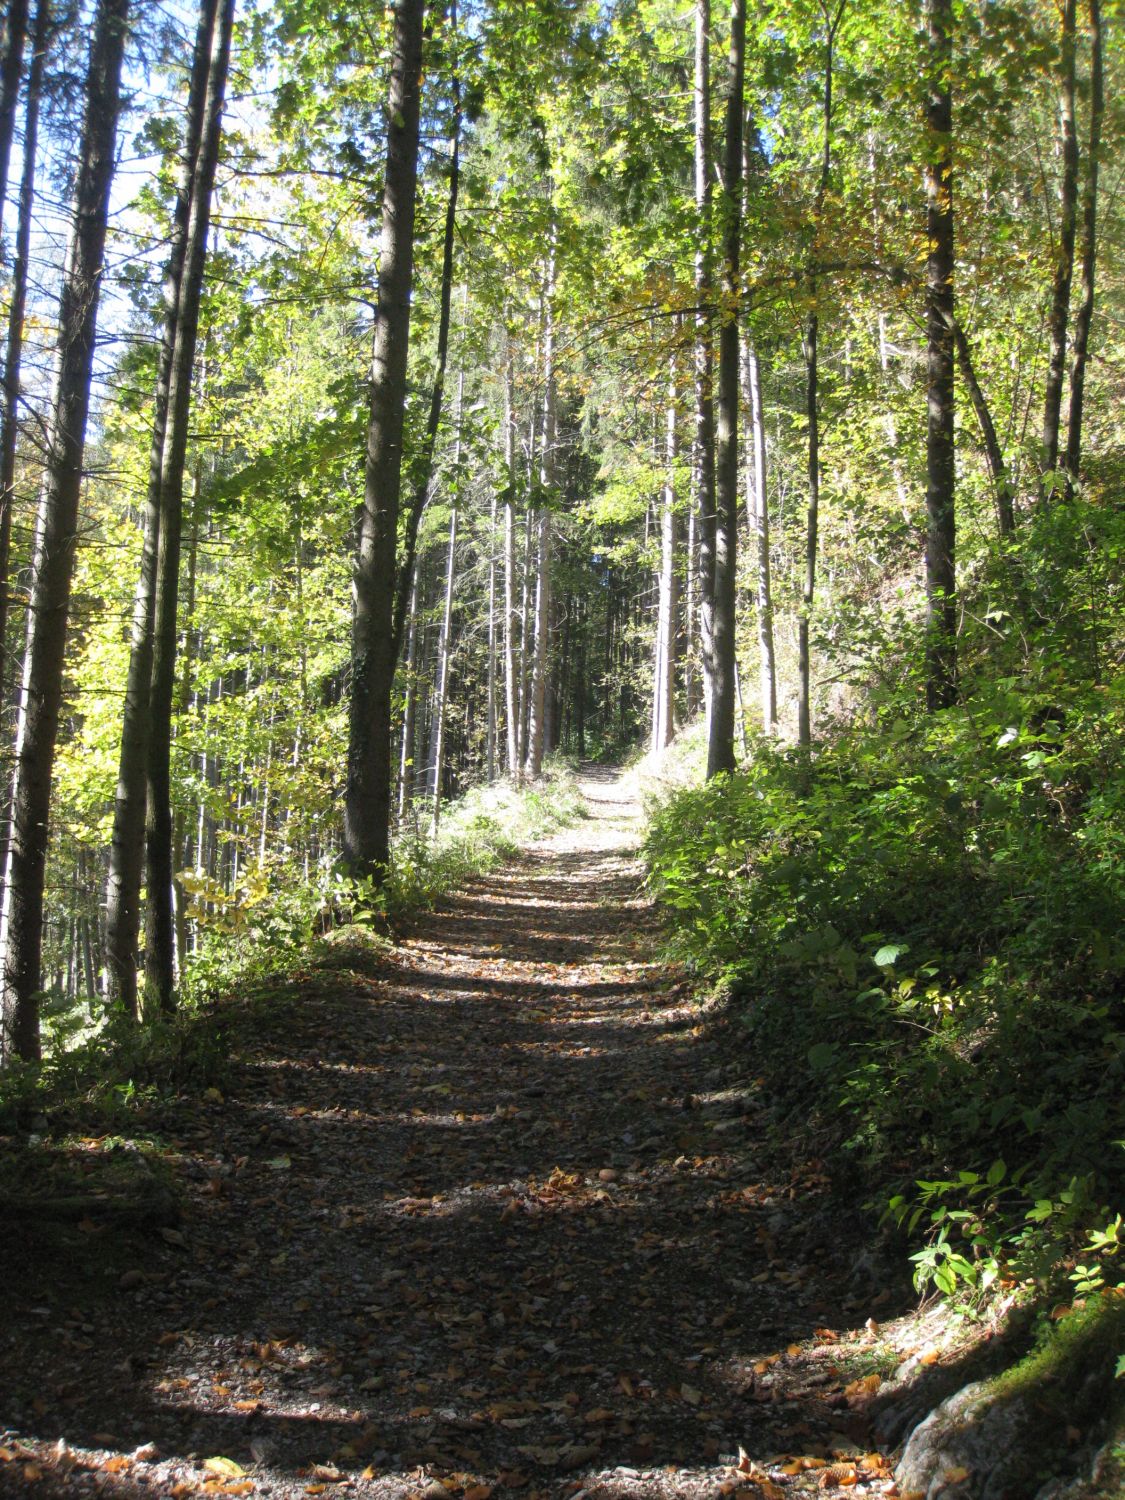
(973, 1445)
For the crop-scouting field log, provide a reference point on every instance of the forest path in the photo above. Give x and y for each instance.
(484, 1217)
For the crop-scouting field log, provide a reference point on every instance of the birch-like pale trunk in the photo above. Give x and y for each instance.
(537, 725)
(511, 693)
(441, 680)
(664, 694)
(703, 462)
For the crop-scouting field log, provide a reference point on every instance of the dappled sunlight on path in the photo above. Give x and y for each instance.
(483, 1216)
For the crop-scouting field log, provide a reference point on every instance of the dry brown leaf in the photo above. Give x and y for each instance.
(840, 1474)
(793, 1349)
(477, 1492)
(32, 1473)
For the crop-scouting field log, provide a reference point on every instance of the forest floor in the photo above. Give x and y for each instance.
(488, 1214)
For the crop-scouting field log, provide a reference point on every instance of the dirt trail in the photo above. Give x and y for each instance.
(486, 1216)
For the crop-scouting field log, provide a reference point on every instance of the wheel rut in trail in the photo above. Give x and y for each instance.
(485, 1215)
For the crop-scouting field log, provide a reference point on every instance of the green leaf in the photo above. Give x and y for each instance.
(890, 953)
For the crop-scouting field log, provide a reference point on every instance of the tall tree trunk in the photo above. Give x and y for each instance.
(160, 931)
(941, 576)
(441, 682)
(664, 695)
(720, 731)
(1084, 315)
(811, 352)
(423, 468)
(704, 456)
(537, 726)
(1059, 314)
(183, 703)
(21, 928)
(760, 527)
(126, 860)
(511, 693)
(13, 353)
(491, 694)
(367, 806)
(11, 66)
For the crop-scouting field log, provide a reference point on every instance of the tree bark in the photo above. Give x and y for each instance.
(664, 691)
(17, 308)
(537, 725)
(1084, 316)
(810, 347)
(720, 732)
(441, 683)
(367, 804)
(423, 469)
(760, 527)
(21, 928)
(126, 859)
(1059, 314)
(511, 687)
(704, 457)
(994, 454)
(11, 66)
(160, 929)
(941, 576)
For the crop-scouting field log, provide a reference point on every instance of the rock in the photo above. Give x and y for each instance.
(971, 1447)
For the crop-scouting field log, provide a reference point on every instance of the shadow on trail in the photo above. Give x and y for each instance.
(469, 1212)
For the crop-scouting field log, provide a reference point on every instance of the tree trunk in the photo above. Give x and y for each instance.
(441, 683)
(811, 352)
(720, 732)
(664, 694)
(536, 728)
(1085, 313)
(760, 527)
(511, 693)
(423, 469)
(490, 707)
(1059, 314)
(941, 577)
(367, 806)
(704, 457)
(160, 931)
(13, 355)
(406, 752)
(11, 66)
(994, 455)
(21, 929)
(123, 894)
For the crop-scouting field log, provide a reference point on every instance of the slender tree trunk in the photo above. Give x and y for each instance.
(511, 694)
(1085, 313)
(664, 697)
(1059, 314)
(994, 455)
(720, 736)
(810, 350)
(760, 527)
(367, 805)
(536, 729)
(941, 576)
(441, 683)
(183, 703)
(406, 754)
(123, 894)
(21, 928)
(704, 458)
(13, 354)
(160, 931)
(490, 728)
(11, 66)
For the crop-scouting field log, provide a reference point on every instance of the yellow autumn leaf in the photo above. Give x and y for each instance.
(225, 1468)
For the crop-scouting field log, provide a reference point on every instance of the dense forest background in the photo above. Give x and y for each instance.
(749, 379)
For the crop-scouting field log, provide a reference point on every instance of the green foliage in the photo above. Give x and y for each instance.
(924, 931)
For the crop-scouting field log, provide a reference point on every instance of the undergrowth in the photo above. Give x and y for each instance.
(924, 936)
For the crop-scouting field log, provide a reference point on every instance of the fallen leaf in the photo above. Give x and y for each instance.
(225, 1468)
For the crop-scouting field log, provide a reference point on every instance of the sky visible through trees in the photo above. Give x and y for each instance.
(476, 382)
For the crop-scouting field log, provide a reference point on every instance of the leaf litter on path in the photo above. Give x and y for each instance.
(482, 1219)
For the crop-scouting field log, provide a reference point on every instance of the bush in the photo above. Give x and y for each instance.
(925, 934)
